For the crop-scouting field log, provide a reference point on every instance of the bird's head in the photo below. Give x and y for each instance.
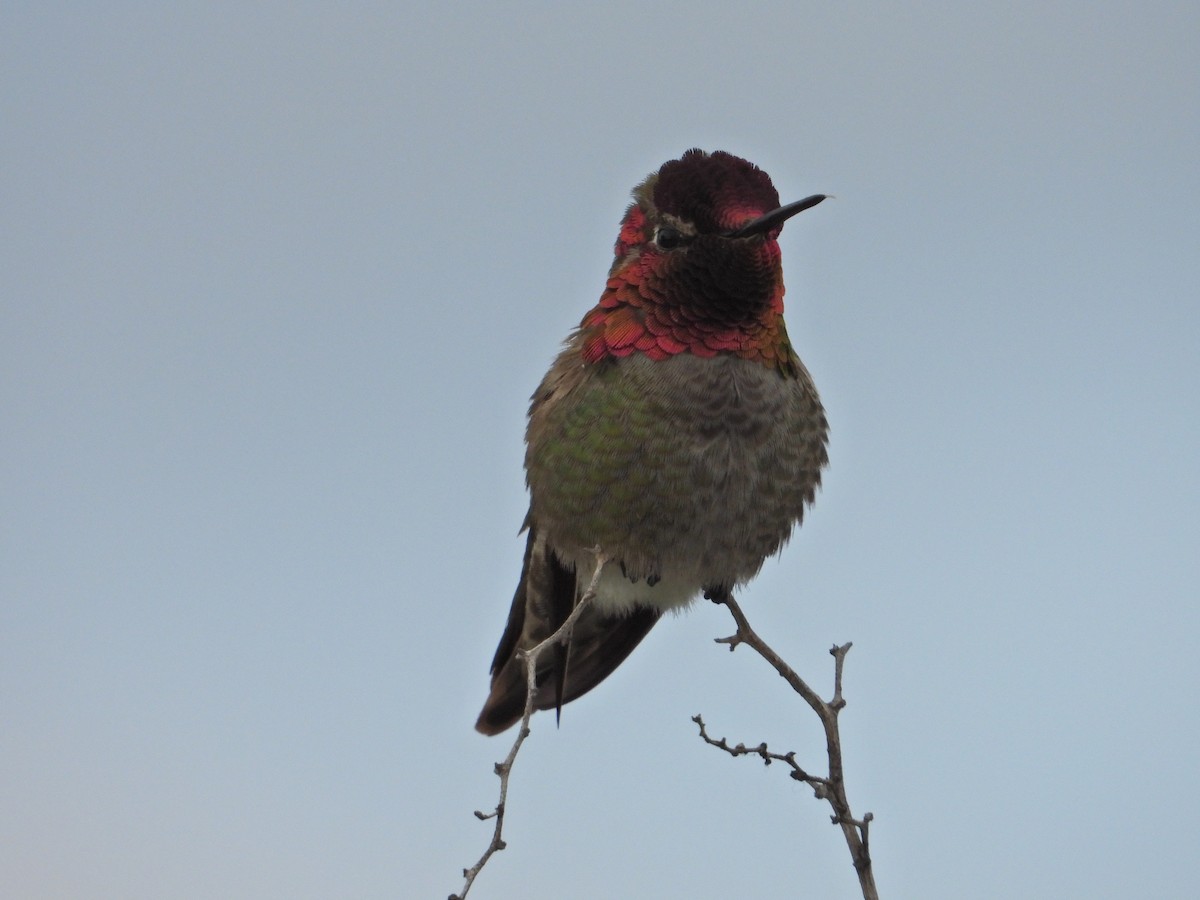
(697, 263)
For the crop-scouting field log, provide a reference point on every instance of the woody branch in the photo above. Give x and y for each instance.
(504, 768)
(830, 787)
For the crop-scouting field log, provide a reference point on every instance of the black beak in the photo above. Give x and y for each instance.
(775, 217)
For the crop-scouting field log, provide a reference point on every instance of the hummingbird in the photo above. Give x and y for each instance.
(677, 433)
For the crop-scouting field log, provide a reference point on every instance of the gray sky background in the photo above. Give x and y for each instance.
(276, 282)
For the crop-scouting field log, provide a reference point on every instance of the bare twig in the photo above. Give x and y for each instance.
(832, 788)
(815, 781)
(504, 769)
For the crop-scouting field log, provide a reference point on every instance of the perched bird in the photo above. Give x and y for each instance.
(677, 431)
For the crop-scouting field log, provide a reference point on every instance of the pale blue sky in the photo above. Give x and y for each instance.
(276, 282)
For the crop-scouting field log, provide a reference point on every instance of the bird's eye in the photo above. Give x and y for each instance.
(669, 238)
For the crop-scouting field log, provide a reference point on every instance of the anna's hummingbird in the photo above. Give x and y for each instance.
(677, 431)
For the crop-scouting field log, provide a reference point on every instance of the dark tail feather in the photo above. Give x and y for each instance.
(544, 598)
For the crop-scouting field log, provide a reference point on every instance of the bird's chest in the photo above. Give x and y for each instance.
(650, 451)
